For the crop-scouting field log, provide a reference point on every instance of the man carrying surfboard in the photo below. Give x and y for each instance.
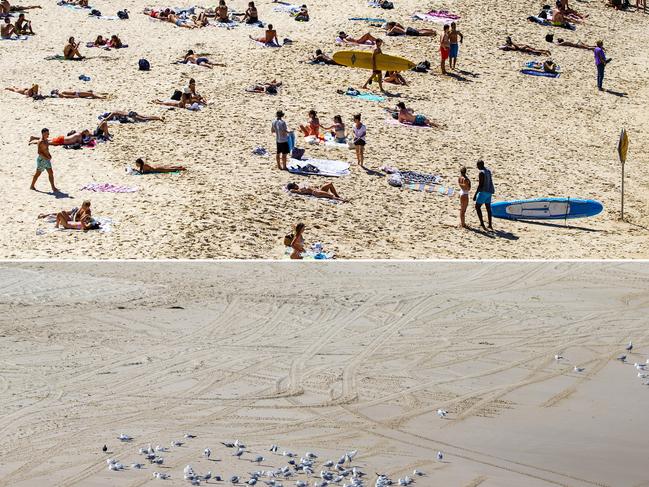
(484, 193)
(376, 73)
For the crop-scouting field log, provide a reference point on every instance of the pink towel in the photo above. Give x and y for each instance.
(108, 188)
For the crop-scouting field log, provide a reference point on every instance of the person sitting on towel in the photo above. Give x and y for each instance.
(395, 78)
(270, 39)
(326, 191)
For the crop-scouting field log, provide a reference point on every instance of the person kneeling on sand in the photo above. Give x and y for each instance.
(407, 116)
(326, 191)
(144, 168)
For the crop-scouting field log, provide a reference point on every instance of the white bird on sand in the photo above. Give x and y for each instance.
(418, 473)
(161, 476)
(352, 454)
(176, 443)
(259, 459)
(578, 369)
(207, 476)
(629, 347)
(440, 456)
(310, 455)
(158, 460)
(161, 448)
(196, 482)
(110, 461)
(442, 413)
(642, 376)
(207, 452)
(328, 463)
(234, 479)
(558, 357)
(115, 466)
(137, 466)
(273, 448)
(124, 437)
(188, 470)
(238, 444)
(647, 362)
(621, 358)
(301, 483)
(252, 481)
(238, 453)
(639, 366)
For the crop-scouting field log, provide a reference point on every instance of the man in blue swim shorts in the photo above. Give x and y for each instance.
(455, 37)
(484, 193)
(44, 160)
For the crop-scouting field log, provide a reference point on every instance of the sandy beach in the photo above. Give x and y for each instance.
(541, 137)
(360, 359)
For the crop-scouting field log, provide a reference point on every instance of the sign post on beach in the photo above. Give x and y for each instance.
(622, 148)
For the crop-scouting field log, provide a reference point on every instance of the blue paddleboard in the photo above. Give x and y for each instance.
(546, 209)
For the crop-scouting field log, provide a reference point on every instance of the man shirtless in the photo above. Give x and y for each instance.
(7, 29)
(407, 115)
(444, 48)
(6, 7)
(455, 38)
(270, 39)
(71, 50)
(44, 160)
(366, 39)
(24, 26)
(73, 139)
(396, 29)
(126, 117)
(376, 73)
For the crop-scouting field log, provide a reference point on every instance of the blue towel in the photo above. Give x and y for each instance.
(367, 97)
(534, 72)
(367, 19)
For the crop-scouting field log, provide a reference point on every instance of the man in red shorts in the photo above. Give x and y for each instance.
(444, 47)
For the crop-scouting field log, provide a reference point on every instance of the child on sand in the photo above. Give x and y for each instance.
(360, 131)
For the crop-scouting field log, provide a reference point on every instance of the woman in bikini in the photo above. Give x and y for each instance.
(297, 241)
(85, 224)
(338, 130)
(251, 16)
(366, 39)
(30, 92)
(395, 78)
(313, 126)
(191, 58)
(184, 102)
(74, 215)
(144, 168)
(510, 46)
(465, 189)
(326, 191)
(79, 94)
(71, 50)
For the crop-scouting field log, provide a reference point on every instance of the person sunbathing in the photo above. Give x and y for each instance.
(395, 78)
(271, 88)
(75, 214)
(313, 125)
(326, 191)
(179, 22)
(73, 138)
(270, 39)
(222, 12)
(366, 39)
(115, 42)
(201, 20)
(100, 41)
(395, 29)
(78, 94)
(251, 16)
(6, 7)
(184, 102)
(319, 57)
(71, 50)
(85, 224)
(128, 117)
(23, 26)
(192, 58)
(510, 46)
(578, 44)
(144, 168)
(7, 29)
(407, 116)
(30, 92)
(337, 130)
(302, 15)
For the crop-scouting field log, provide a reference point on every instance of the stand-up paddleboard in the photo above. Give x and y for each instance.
(363, 60)
(546, 209)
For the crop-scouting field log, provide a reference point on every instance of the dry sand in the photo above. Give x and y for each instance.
(339, 358)
(541, 137)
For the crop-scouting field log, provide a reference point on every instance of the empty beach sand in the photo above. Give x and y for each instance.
(362, 358)
(541, 137)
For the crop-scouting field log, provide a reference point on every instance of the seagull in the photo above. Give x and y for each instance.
(158, 460)
(161, 448)
(196, 482)
(227, 444)
(621, 358)
(189, 436)
(311, 455)
(161, 476)
(137, 466)
(110, 461)
(440, 456)
(176, 443)
(288, 454)
(629, 347)
(328, 463)
(558, 357)
(273, 448)
(104, 448)
(207, 452)
(259, 459)
(639, 366)
(238, 453)
(124, 437)
(188, 470)
(351, 454)
(238, 444)
(234, 479)
(418, 473)
(252, 481)
(207, 476)
(301, 483)
(578, 369)
(642, 376)
(442, 413)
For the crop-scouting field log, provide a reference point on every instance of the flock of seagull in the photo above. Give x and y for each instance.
(339, 473)
(642, 368)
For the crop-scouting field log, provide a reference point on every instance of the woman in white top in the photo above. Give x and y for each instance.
(359, 139)
(465, 189)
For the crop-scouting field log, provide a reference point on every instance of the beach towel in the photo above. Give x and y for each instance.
(430, 188)
(17, 38)
(419, 177)
(395, 122)
(367, 19)
(61, 57)
(318, 167)
(108, 188)
(365, 96)
(311, 197)
(134, 172)
(548, 23)
(536, 72)
(224, 25)
(264, 44)
(287, 7)
(330, 141)
(105, 17)
(438, 16)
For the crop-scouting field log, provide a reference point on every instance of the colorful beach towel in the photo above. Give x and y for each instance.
(536, 72)
(396, 123)
(419, 177)
(318, 167)
(108, 188)
(18, 38)
(430, 188)
(438, 16)
(368, 19)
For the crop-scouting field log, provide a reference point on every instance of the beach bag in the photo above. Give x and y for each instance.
(297, 153)
(123, 14)
(177, 95)
(549, 37)
(144, 65)
(387, 5)
(95, 13)
(271, 90)
(422, 67)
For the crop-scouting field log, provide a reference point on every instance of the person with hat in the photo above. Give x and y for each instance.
(280, 129)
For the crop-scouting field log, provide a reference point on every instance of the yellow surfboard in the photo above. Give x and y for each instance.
(363, 60)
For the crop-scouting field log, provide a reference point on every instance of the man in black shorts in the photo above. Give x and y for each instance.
(280, 130)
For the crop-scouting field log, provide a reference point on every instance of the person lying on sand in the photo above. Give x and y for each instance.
(144, 168)
(74, 215)
(6, 7)
(7, 29)
(564, 43)
(178, 21)
(270, 39)
(270, 88)
(201, 20)
(129, 117)
(319, 57)
(510, 46)
(302, 15)
(192, 58)
(395, 78)
(71, 50)
(326, 191)
(338, 130)
(83, 137)
(395, 29)
(78, 94)
(366, 39)
(30, 92)
(313, 125)
(407, 116)
(23, 26)
(184, 102)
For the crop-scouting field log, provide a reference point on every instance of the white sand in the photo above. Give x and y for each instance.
(329, 359)
(541, 137)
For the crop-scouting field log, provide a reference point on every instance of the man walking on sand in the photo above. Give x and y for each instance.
(44, 160)
(484, 193)
(455, 39)
(444, 47)
(280, 130)
(376, 73)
